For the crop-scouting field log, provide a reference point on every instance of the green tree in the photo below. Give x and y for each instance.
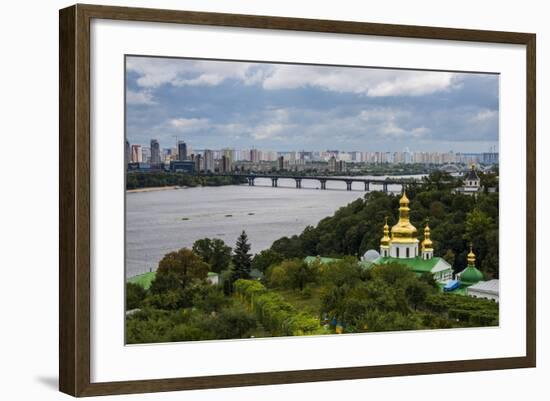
(135, 294)
(209, 298)
(178, 269)
(235, 322)
(416, 293)
(293, 274)
(265, 259)
(242, 259)
(214, 252)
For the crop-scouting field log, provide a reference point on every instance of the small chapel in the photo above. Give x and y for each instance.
(403, 247)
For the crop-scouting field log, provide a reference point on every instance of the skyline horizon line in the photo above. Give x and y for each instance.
(202, 148)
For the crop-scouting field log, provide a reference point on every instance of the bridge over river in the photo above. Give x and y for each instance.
(370, 184)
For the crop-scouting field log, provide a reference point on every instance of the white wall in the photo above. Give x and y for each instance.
(28, 205)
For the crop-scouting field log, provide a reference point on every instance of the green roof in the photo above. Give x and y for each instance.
(146, 279)
(417, 264)
(470, 275)
(143, 280)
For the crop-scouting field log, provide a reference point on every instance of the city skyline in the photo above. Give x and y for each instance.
(154, 154)
(281, 107)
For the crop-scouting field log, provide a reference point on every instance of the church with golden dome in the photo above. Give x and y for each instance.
(401, 245)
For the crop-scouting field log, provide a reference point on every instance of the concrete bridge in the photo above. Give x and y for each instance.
(370, 184)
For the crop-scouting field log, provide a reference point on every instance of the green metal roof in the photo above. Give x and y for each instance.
(416, 264)
(143, 280)
(146, 279)
(470, 275)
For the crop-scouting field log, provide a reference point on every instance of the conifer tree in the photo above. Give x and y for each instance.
(242, 259)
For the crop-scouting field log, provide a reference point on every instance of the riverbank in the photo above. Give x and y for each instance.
(158, 179)
(154, 189)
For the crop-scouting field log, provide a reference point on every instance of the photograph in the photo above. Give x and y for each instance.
(270, 199)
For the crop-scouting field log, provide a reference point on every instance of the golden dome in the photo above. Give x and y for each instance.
(427, 243)
(471, 257)
(404, 231)
(385, 241)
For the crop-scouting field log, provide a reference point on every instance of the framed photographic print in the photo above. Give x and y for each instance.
(299, 200)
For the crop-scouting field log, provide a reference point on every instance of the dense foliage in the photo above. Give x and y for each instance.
(136, 180)
(295, 297)
(214, 252)
(275, 314)
(455, 221)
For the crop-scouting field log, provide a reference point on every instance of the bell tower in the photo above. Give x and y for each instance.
(427, 245)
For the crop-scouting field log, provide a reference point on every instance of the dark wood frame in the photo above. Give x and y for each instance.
(74, 199)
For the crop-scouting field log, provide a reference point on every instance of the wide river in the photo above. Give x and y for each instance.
(159, 222)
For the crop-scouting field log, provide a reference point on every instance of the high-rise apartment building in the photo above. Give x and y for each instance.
(146, 154)
(182, 151)
(225, 164)
(155, 152)
(208, 160)
(254, 155)
(137, 157)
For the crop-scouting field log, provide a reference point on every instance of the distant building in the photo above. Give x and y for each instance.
(280, 163)
(208, 160)
(199, 163)
(137, 156)
(225, 164)
(127, 152)
(472, 183)
(144, 167)
(182, 151)
(146, 154)
(490, 158)
(254, 155)
(155, 152)
(332, 162)
(228, 153)
(182, 166)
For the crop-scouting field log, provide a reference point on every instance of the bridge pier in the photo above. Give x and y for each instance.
(298, 182)
(385, 187)
(274, 182)
(323, 184)
(348, 185)
(367, 186)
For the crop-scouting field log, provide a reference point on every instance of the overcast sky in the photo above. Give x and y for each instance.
(281, 107)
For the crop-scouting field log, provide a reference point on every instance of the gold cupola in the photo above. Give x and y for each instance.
(385, 241)
(404, 231)
(471, 257)
(471, 275)
(427, 244)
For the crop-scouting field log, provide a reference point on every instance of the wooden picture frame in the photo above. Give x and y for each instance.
(74, 199)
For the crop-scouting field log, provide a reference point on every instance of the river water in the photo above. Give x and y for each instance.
(159, 222)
